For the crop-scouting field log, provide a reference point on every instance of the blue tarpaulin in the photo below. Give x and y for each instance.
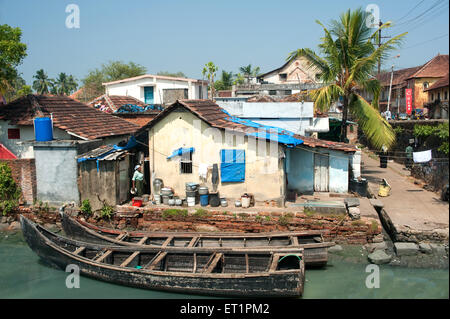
(133, 108)
(180, 151)
(272, 133)
(232, 166)
(130, 144)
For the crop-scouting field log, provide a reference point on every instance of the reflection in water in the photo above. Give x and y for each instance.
(23, 275)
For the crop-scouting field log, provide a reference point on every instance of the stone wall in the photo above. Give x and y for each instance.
(337, 228)
(24, 173)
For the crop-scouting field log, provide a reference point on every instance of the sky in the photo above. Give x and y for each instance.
(175, 35)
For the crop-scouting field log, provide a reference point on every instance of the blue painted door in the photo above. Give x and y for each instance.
(148, 95)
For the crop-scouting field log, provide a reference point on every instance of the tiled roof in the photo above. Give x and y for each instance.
(212, 114)
(398, 78)
(261, 98)
(442, 82)
(68, 115)
(140, 119)
(112, 103)
(435, 68)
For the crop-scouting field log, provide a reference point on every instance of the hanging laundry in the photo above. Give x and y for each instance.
(203, 170)
(422, 157)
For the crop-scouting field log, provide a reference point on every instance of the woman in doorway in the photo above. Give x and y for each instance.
(138, 181)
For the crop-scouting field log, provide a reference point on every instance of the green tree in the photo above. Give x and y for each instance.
(175, 75)
(112, 71)
(210, 70)
(238, 79)
(226, 81)
(64, 84)
(17, 89)
(248, 72)
(349, 60)
(9, 191)
(43, 84)
(12, 53)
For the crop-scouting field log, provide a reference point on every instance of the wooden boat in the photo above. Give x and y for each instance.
(211, 271)
(316, 250)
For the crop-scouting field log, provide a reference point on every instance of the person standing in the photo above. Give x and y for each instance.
(138, 181)
(409, 155)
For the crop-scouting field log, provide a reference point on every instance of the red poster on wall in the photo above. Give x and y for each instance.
(408, 94)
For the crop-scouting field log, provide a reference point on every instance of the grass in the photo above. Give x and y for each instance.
(258, 218)
(243, 215)
(358, 223)
(174, 213)
(308, 211)
(200, 213)
(284, 220)
(374, 226)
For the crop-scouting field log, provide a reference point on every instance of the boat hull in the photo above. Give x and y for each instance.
(287, 283)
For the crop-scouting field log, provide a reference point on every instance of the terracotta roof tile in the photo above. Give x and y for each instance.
(68, 114)
(211, 113)
(442, 82)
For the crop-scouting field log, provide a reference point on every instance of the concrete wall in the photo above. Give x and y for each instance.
(56, 169)
(264, 175)
(136, 88)
(17, 146)
(339, 173)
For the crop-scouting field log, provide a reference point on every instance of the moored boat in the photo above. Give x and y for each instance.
(315, 249)
(212, 271)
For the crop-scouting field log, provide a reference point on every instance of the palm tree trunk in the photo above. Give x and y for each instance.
(343, 136)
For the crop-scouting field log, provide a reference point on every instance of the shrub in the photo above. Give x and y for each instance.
(200, 212)
(285, 219)
(9, 191)
(86, 207)
(106, 211)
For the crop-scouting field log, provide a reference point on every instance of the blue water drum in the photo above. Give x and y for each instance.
(43, 129)
(204, 199)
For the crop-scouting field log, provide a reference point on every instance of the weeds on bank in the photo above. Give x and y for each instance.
(174, 213)
(285, 219)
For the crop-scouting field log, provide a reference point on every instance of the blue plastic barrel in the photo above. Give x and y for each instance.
(43, 129)
(204, 199)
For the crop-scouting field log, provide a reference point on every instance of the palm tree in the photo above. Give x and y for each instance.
(72, 84)
(42, 84)
(248, 72)
(210, 71)
(61, 84)
(348, 62)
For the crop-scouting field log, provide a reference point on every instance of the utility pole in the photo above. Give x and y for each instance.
(379, 44)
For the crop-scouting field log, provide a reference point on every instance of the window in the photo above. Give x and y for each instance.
(232, 166)
(14, 133)
(287, 92)
(432, 97)
(186, 163)
(272, 92)
(439, 96)
(283, 76)
(425, 85)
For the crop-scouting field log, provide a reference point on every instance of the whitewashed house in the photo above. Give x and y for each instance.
(158, 89)
(297, 117)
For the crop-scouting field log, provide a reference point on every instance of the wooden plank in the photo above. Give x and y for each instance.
(121, 237)
(294, 240)
(142, 241)
(167, 241)
(274, 264)
(102, 257)
(129, 259)
(155, 261)
(193, 241)
(246, 263)
(213, 263)
(79, 250)
(195, 263)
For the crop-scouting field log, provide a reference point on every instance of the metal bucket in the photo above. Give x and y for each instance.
(203, 190)
(191, 186)
(166, 191)
(157, 199)
(223, 202)
(165, 199)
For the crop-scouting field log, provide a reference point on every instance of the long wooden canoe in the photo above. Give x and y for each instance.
(211, 271)
(316, 250)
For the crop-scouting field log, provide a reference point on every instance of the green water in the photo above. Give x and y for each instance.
(22, 275)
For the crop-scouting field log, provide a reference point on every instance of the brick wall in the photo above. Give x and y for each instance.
(24, 173)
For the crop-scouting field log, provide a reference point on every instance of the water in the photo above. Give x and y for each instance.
(22, 275)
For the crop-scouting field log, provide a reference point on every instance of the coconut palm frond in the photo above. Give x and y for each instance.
(325, 96)
(375, 127)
